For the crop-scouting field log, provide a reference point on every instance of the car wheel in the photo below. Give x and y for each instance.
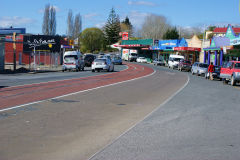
(93, 70)
(63, 70)
(233, 82)
(225, 81)
(197, 73)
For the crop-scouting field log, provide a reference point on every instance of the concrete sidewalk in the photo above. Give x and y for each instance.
(27, 69)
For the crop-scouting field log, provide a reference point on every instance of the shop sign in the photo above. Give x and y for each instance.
(41, 42)
(235, 41)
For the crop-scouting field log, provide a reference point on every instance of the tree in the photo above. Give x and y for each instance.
(77, 26)
(188, 32)
(52, 21)
(70, 24)
(49, 20)
(92, 39)
(154, 27)
(211, 28)
(45, 25)
(126, 26)
(171, 33)
(112, 28)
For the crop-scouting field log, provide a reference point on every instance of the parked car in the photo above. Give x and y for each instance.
(102, 64)
(199, 68)
(216, 73)
(117, 60)
(88, 59)
(141, 60)
(159, 62)
(173, 61)
(231, 72)
(73, 60)
(184, 65)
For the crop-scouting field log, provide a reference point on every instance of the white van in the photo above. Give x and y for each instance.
(174, 60)
(73, 60)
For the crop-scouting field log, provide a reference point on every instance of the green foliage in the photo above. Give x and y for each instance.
(200, 36)
(171, 33)
(126, 26)
(210, 36)
(211, 28)
(112, 28)
(134, 38)
(92, 39)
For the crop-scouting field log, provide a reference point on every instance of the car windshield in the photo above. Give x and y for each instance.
(177, 59)
(133, 54)
(71, 57)
(203, 65)
(100, 60)
(117, 58)
(237, 65)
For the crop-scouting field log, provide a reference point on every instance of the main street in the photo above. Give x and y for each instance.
(165, 115)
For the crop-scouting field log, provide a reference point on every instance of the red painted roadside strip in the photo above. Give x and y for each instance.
(14, 96)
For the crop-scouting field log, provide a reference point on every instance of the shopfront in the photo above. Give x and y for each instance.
(222, 48)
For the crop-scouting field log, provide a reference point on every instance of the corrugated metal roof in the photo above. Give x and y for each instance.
(224, 30)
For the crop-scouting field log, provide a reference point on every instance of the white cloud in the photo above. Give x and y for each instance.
(15, 21)
(141, 3)
(55, 7)
(137, 18)
(90, 15)
(100, 25)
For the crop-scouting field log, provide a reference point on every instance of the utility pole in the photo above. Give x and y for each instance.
(14, 51)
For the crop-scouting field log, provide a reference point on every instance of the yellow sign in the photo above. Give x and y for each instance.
(14, 40)
(50, 45)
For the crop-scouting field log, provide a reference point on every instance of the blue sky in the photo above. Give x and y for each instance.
(184, 13)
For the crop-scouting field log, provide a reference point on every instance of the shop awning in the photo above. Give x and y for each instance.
(187, 49)
(132, 46)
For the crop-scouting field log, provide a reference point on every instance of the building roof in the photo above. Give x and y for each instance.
(224, 30)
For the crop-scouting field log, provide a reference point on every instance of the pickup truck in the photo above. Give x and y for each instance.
(230, 72)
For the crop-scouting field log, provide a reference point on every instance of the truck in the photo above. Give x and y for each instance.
(230, 72)
(129, 55)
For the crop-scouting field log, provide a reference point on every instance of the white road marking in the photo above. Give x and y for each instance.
(165, 102)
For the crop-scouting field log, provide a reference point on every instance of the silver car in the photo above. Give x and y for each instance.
(199, 68)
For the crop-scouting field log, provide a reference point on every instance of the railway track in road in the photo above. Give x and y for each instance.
(12, 97)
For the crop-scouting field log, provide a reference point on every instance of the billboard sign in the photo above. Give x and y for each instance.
(41, 43)
(235, 41)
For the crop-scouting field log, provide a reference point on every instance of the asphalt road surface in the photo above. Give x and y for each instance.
(8, 80)
(199, 123)
(77, 126)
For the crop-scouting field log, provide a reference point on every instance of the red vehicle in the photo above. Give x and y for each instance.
(184, 65)
(230, 72)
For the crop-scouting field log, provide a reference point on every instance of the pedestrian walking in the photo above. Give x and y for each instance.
(210, 71)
